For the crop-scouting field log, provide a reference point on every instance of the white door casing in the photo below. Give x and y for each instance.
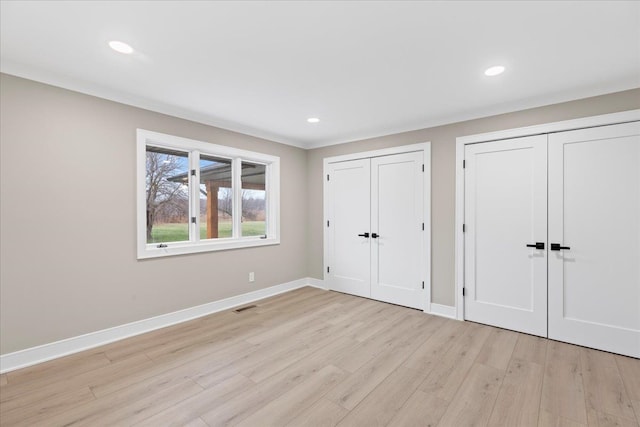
(594, 209)
(506, 210)
(397, 216)
(349, 204)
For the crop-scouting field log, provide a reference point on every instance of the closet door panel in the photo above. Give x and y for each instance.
(397, 212)
(349, 204)
(594, 209)
(506, 210)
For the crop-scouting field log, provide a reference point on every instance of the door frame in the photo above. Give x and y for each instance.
(545, 128)
(425, 147)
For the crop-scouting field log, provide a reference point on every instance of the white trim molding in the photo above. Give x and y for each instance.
(378, 153)
(34, 355)
(441, 310)
(562, 126)
(316, 283)
(63, 81)
(546, 128)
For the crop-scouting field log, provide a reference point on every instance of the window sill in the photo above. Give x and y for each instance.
(183, 248)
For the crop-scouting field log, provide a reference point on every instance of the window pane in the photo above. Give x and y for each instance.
(254, 206)
(167, 184)
(216, 198)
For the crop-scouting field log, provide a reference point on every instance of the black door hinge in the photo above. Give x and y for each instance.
(193, 219)
(423, 284)
(328, 269)
(327, 223)
(423, 168)
(464, 227)
(327, 177)
(464, 164)
(423, 226)
(463, 291)
(193, 172)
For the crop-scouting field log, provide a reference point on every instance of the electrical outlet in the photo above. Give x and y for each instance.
(252, 277)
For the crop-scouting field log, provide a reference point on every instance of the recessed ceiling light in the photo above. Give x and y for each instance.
(313, 120)
(494, 71)
(120, 47)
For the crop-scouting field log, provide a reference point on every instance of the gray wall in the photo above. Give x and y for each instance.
(443, 140)
(68, 219)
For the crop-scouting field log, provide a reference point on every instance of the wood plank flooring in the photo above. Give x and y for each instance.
(317, 358)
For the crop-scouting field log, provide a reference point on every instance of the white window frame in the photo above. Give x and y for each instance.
(147, 138)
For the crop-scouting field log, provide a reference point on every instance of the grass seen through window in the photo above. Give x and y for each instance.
(176, 232)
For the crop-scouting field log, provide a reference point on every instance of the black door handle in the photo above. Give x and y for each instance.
(364, 235)
(537, 245)
(374, 235)
(557, 247)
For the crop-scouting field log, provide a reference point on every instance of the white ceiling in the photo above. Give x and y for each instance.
(364, 68)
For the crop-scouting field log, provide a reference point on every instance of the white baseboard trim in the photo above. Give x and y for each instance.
(34, 355)
(443, 310)
(317, 283)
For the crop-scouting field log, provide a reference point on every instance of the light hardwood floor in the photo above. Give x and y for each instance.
(316, 358)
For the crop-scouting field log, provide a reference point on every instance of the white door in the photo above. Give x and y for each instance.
(349, 252)
(397, 215)
(594, 212)
(505, 213)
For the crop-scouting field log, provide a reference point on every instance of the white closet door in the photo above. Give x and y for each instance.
(506, 210)
(594, 209)
(349, 205)
(397, 213)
